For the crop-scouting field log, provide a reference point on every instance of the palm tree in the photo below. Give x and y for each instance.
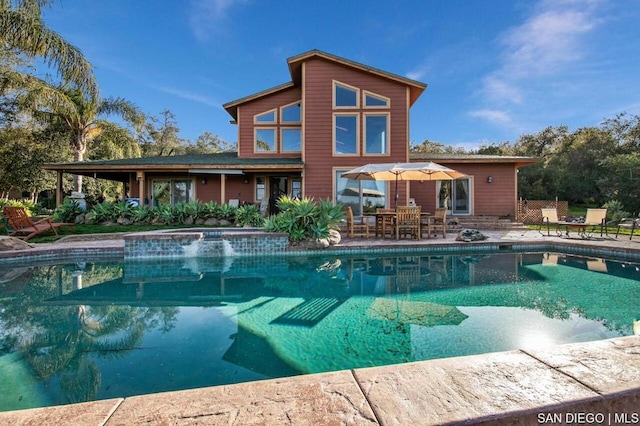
(22, 31)
(78, 112)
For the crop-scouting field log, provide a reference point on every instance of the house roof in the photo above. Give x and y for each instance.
(472, 158)
(193, 163)
(295, 68)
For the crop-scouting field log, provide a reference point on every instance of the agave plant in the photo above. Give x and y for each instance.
(249, 215)
(304, 218)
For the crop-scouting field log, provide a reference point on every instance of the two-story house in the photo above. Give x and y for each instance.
(299, 137)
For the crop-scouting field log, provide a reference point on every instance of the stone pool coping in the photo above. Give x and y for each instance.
(552, 385)
(559, 384)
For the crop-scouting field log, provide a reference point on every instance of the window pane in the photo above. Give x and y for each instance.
(260, 188)
(161, 193)
(374, 193)
(291, 114)
(267, 117)
(296, 187)
(291, 140)
(265, 140)
(345, 97)
(376, 140)
(374, 101)
(346, 134)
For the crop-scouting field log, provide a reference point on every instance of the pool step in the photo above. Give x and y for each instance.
(309, 312)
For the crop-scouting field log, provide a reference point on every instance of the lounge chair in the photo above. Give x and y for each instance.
(357, 226)
(19, 223)
(628, 223)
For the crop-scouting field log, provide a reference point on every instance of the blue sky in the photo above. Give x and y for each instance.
(495, 69)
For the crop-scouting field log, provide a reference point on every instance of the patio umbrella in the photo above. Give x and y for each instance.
(403, 171)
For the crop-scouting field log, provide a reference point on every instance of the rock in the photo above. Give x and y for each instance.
(123, 221)
(188, 220)
(12, 243)
(212, 221)
(200, 221)
(468, 235)
(334, 237)
(224, 222)
(80, 219)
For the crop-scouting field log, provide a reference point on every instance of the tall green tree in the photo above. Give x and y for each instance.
(160, 136)
(23, 32)
(433, 147)
(79, 113)
(207, 143)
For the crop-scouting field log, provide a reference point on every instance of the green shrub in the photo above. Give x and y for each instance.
(615, 210)
(31, 207)
(304, 218)
(249, 215)
(67, 211)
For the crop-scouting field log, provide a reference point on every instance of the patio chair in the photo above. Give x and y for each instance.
(357, 226)
(595, 218)
(550, 217)
(385, 223)
(436, 222)
(628, 223)
(19, 223)
(408, 221)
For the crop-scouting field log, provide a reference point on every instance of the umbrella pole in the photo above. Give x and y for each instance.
(396, 197)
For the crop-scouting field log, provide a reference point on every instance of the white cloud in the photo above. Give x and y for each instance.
(186, 95)
(205, 16)
(493, 116)
(537, 59)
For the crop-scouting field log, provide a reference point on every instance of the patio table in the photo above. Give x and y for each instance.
(388, 219)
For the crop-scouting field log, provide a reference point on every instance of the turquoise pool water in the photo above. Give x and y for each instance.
(85, 331)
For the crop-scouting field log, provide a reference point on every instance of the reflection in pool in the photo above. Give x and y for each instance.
(86, 331)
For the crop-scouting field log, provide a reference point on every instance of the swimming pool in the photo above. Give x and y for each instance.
(85, 331)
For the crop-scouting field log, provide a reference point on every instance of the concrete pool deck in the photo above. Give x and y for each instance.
(581, 383)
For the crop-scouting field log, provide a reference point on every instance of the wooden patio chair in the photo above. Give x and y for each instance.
(408, 221)
(385, 223)
(436, 222)
(21, 226)
(357, 226)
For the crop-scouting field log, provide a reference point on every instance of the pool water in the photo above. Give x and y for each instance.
(85, 331)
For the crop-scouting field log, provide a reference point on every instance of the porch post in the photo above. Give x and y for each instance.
(58, 188)
(141, 179)
(223, 188)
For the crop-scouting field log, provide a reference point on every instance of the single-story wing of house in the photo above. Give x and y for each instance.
(298, 139)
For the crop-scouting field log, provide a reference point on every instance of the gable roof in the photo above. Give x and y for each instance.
(295, 69)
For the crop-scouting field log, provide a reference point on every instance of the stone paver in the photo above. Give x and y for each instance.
(322, 399)
(466, 388)
(86, 413)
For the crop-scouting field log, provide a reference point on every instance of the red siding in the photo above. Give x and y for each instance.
(245, 122)
(497, 198)
(318, 77)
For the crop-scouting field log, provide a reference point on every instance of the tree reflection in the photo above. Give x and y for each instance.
(60, 343)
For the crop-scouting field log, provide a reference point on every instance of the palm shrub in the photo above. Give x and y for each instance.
(226, 212)
(249, 215)
(123, 210)
(102, 212)
(304, 218)
(67, 211)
